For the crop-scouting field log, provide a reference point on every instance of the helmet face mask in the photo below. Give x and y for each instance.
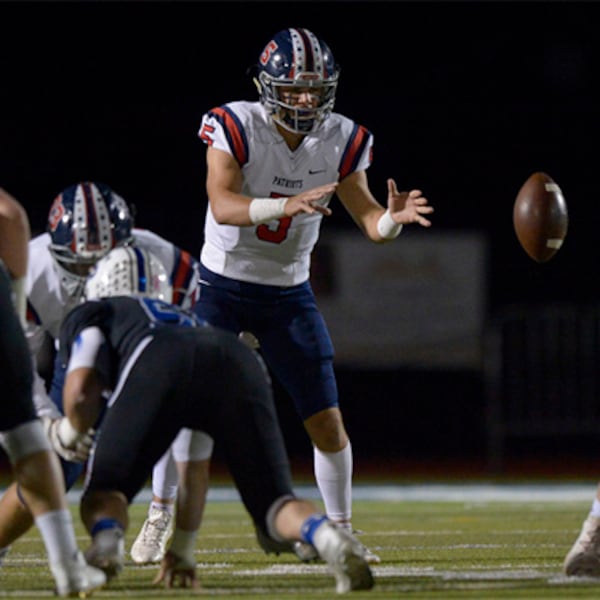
(129, 271)
(297, 80)
(86, 220)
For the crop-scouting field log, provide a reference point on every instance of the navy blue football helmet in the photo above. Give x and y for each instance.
(296, 58)
(85, 222)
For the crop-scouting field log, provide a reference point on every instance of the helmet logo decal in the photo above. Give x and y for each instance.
(269, 50)
(57, 212)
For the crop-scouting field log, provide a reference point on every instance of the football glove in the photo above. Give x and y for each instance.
(67, 442)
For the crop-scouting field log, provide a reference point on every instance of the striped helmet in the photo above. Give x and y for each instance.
(297, 62)
(129, 271)
(86, 220)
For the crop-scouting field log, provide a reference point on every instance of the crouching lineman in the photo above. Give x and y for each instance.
(167, 370)
(22, 435)
(85, 221)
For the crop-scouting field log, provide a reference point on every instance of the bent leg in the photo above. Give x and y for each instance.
(15, 518)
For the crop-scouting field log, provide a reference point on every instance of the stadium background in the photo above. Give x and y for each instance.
(466, 100)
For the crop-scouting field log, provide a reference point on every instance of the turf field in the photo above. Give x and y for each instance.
(444, 542)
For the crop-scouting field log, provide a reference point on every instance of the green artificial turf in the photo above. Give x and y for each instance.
(429, 549)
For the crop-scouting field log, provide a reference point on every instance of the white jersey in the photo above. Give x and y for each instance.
(278, 252)
(49, 300)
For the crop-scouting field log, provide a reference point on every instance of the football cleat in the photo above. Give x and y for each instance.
(307, 553)
(370, 556)
(584, 556)
(151, 543)
(107, 551)
(76, 578)
(344, 555)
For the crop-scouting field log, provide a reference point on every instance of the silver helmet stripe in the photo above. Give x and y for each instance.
(307, 52)
(91, 221)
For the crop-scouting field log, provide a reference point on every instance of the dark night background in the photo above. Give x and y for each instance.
(466, 100)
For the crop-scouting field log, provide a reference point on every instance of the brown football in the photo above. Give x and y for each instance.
(540, 217)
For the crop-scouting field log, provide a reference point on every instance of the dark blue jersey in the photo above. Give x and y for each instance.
(125, 321)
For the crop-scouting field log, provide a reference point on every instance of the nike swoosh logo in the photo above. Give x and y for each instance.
(311, 172)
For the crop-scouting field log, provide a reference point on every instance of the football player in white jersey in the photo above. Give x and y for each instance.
(85, 221)
(34, 463)
(273, 167)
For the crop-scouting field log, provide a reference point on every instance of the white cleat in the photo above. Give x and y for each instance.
(345, 557)
(151, 543)
(584, 556)
(75, 578)
(107, 551)
(370, 556)
(307, 553)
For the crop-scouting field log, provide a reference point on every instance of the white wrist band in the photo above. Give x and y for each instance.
(183, 544)
(262, 210)
(387, 228)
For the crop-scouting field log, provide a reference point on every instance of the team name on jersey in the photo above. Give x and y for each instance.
(287, 183)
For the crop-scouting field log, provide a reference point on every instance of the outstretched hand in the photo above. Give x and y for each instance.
(310, 201)
(176, 572)
(408, 207)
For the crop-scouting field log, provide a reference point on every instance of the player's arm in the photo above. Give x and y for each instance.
(83, 398)
(84, 382)
(14, 235)
(377, 223)
(14, 250)
(230, 207)
(72, 437)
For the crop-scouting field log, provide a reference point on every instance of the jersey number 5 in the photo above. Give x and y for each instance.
(277, 235)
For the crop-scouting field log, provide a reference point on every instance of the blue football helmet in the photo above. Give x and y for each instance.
(296, 58)
(85, 222)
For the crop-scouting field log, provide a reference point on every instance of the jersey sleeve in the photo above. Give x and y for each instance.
(358, 152)
(83, 338)
(85, 315)
(185, 277)
(222, 129)
(183, 268)
(86, 348)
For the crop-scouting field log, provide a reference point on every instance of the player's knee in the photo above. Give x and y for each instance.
(326, 430)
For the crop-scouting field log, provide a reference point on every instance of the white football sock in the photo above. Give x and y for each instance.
(164, 477)
(595, 508)
(333, 472)
(56, 529)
